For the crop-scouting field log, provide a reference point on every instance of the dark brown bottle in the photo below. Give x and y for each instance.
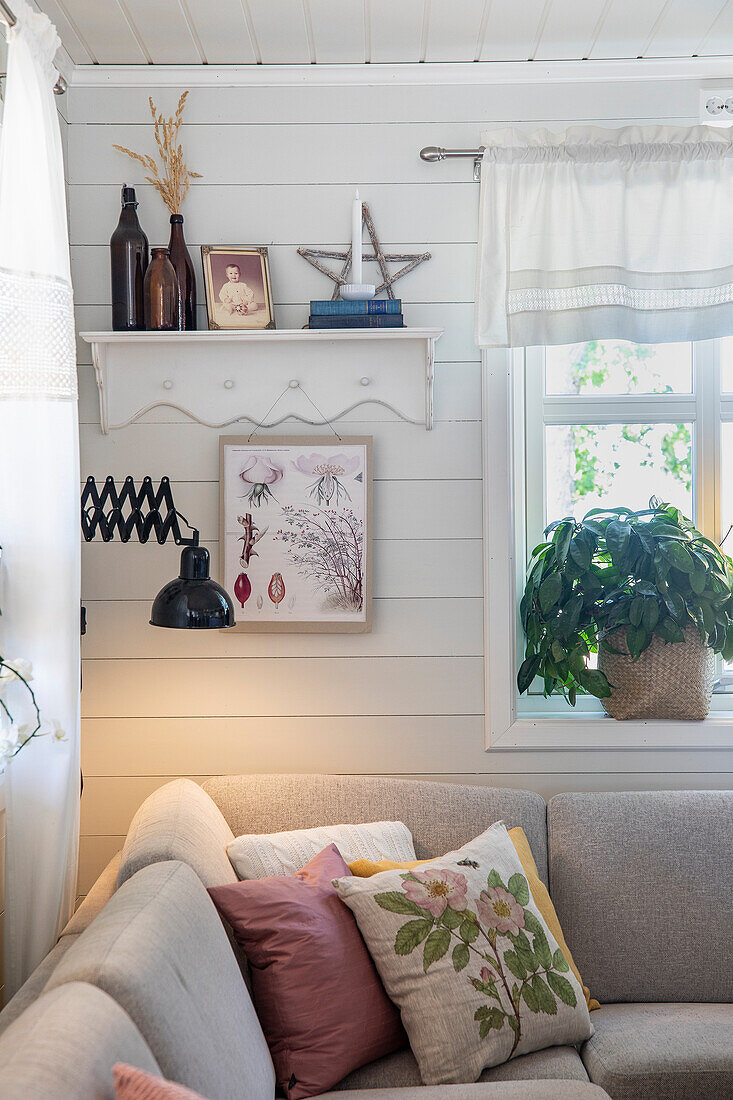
(161, 292)
(128, 248)
(183, 268)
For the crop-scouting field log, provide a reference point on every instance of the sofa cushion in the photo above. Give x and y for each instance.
(448, 940)
(179, 821)
(255, 855)
(65, 1045)
(320, 1001)
(512, 1090)
(135, 1084)
(160, 950)
(400, 1070)
(641, 883)
(440, 816)
(34, 986)
(654, 1051)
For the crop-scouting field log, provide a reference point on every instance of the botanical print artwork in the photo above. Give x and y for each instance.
(295, 516)
(492, 936)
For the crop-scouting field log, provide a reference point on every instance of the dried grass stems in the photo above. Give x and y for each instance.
(173, 181)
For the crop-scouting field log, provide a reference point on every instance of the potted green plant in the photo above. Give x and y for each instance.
(644, 590)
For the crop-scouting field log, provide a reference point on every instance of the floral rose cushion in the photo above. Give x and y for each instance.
(464, 953)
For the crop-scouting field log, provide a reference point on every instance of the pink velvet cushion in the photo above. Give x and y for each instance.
(319, 998)
(136, 1084)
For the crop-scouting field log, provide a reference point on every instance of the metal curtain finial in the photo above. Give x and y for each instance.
(434, 153)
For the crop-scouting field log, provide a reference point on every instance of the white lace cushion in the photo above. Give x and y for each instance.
(262, 855)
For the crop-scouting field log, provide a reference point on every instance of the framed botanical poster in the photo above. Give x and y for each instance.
(238, 290)
(295, 544)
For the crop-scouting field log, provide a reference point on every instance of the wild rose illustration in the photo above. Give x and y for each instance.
(295, 532)
(260, 472)
(328, 472)
(499, 942)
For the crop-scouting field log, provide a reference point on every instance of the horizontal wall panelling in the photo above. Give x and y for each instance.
(279, 168)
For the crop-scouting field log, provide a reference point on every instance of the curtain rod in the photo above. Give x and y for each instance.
(434, 153)
(9, 18)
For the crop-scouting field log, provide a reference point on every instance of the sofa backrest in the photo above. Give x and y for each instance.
(65, 1045)
(160, 950)
(441, 816)
(643, 888)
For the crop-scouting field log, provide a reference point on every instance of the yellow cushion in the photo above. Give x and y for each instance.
(365, 868)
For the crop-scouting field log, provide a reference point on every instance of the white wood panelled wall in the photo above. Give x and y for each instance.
(279, 166)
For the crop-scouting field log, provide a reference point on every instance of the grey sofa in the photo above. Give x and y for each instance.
(642, 884)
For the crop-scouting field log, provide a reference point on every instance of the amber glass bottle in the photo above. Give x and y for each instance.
(161, 292)
(183, 268)
(128, 248)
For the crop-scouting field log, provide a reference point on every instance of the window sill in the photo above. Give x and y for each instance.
(586, 731)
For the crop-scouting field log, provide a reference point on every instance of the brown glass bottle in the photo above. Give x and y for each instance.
(161, 292)
(183, 268)
(128, 248)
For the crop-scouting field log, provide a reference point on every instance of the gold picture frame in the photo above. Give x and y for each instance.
(243, 301)
(265, 533)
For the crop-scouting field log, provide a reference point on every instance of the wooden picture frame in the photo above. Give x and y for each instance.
(243, 301)
(295, 543)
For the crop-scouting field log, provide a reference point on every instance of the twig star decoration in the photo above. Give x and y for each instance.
(411, 260)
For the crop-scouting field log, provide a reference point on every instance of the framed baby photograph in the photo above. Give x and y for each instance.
(238, 289)
(295, 542)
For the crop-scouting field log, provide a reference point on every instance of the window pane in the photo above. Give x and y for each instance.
(726, 365)
(616, 465)
(618, 367)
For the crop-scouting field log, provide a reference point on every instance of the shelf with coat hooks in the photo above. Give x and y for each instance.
(313, 376)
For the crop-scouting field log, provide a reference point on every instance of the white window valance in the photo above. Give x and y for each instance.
(598, 233)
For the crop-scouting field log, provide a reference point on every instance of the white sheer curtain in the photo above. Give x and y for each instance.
(39, 495)
(598, 233)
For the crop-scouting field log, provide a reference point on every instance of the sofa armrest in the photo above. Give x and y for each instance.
(179, 821)
(96, 899)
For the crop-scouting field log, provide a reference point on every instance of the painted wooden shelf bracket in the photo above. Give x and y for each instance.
(311, 376)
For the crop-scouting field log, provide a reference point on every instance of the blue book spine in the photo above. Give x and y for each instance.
(374, 305)
(364, 320)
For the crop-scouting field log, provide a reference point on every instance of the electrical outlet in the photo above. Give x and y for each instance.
(716, 106)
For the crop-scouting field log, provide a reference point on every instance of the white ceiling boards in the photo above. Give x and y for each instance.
(332, 32)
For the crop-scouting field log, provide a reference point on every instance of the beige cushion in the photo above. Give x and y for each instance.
(657, 1051)
(465, 954)
(260, 856)
(65, 1045)
(160, 950)
(96, 899)
(400, 1070)
(440, 816)
(179, 821)
(628, 872)
(512, 1090)
(34, 986)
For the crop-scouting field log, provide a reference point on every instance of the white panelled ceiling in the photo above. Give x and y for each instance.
(281, 32)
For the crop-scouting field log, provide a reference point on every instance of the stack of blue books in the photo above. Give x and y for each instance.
(374, 313)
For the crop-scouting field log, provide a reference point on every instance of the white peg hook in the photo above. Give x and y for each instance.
(365, 381)
(168, 384)
(293, 383)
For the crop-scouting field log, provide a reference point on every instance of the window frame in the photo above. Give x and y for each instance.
(504, 501)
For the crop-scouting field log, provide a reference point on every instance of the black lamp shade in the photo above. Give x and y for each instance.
(193, 601)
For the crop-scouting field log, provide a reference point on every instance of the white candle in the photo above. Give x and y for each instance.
(356, 239)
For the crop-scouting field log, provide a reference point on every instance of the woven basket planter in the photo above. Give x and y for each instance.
(669, 680)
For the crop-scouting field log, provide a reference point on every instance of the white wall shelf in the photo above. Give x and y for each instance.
(222, 378)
